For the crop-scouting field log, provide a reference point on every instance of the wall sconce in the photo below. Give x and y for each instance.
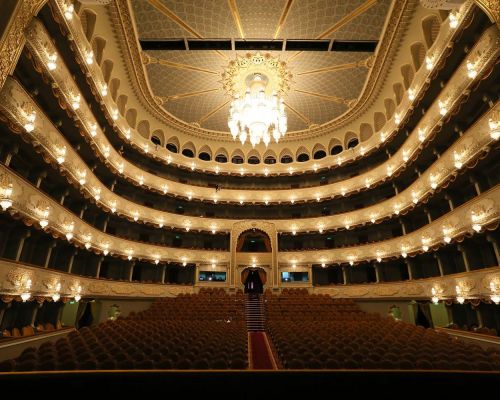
(193, 166)
(425, 243)
(494, 125)
(60, 154)
(87, 239)
(389, 170)
(93, 130)
(373, 218)
(343, 191)
(146, 148)
(82, 177)
(75, 101)
(379, 256)
(184, 262)
(320, 228)
(157, 259)
(315, 167)
(242, 172)
(97, 193)
(29, 126)
(404, 253)
(214, 229)
(446, 234)
(411, 94)
(339, 161)
(89, 57)
(105, 151)
(135, 215)
(52, 61)
(414, 197)
(397, 208)
(471, 70)
(105, 249)
(217, 170)
(433, 181)
(397, 119)
(114, 114)
(443, 107)
(429, 63)
(351, 260)
(290, 170)
(495, 296)
(112, 206)
(130, 252)
(104, 90)
(367, 183)
(160, 222)
(453, 19)
(6, 190)
(382, 137)
(434, 298)
(141, 180)
(121, 168)
(476, 221)
(169, 159)
(294, 230)
(460, 295)
(405, 155)
(458, 160)
(190, 196)
(422, 134)
(69, 230)
(69, 9)
(44, 215)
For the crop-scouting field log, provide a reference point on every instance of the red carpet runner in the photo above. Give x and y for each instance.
(260, 352)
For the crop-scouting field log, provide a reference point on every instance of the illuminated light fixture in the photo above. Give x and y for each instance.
(121, 168)
(217, 170)
(105, 250)
(429, 63)
(127, 134)
(75, 102)
(141, 180)
(458, 162)
(93, 130)
(44, 217)
(494, 126)
(242, 171)
(69, 231)
(25, 296)
(169, 159)
(367, 183)
(60, 154)
(320, 228)
(188, 226)
(425, 244)
(193, 166)
(397, 119)
(446, 235)
(104, 90)
(257, 115)
(130, 252)
(421, 134)
(397, 209)
(476, 222)
(294, 231)
(389, 170)
(190, 195)
(6, 196)
(215, 199)
(266, 202)
(157, 260)
(411, 94)
(404, 254)
(382, 137)
(52, 62)
(379, 256)
(114, 114)
(315, 167)
(339, 161)
(443, 109)
(323, 264)
(405, 155)
(184, 262)
(266, 172)
(434, 298)
(135, 215)
(433, 181)
(414, 197)
(495, 297)
(343, 191)
(362, 151)
(77, 297)
(347, 225)
(89, 57)
(292, 200)
(112, 205)
(318, 198)
(146, 148)
(82, 177)
(56, 296)
(29, 126)
(460, 296)
(453, 19)
(471, 70)
(88, 245)
(106, 151)
(214, 229)
(69, 9)
(351, 260)
(164, 189)
(477, 227)
(294, 265)
(290, 170)
(373, 218)
(160, 222)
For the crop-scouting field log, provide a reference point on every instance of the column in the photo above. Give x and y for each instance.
(450, 201)
(464, 256)
(98, 270)
(63, 196)
(436, 153)
(163, 273)
(112, 187)
(41, 176)
(474, 181)
(11, 154)
(396, 191)
(83, 211)
(35, 312)
(49, 253)
(493, 242)
(71, 259)
(132, 264)
(429, 218)
(344, 274)
(377, 274)
(105, 226)
(440, 264)
(410, 272)
(20, 247)
(403, 227)
(479, 317)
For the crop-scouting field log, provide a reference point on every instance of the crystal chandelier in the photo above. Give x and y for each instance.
(257, 116)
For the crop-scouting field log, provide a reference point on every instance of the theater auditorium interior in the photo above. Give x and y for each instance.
(247, 198)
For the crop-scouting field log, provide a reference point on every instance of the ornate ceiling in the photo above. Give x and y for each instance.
(324, 84)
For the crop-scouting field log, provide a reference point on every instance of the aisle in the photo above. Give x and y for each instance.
(259, 351)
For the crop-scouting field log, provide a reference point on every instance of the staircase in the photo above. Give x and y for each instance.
(254, 312)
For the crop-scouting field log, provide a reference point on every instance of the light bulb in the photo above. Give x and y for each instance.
(453, 20)
(29, 126)
(43, 223)
(411, 94)
(25, 296)
(56, 297)
(75, 102)
(89, 57)
(69, 9)
(77, 297)
(114, 114)
(93, 130)
(429, 63)
(494, 126)
(477, 227)
(421, 134)
(471, 70)
(52, 62)
(88, 245)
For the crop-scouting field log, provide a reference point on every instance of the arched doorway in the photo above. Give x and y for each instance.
(254, 280)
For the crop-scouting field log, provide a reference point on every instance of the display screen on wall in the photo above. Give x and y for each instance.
(294, 276)
(212, 276)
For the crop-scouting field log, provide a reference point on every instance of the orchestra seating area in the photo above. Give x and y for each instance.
(202, 331)
(315, 332)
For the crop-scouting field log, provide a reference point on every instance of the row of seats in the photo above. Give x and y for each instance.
(161, 337)
(30, 331)
(481, 330)
(313, 334)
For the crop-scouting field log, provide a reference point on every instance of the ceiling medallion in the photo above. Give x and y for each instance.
(257, 83)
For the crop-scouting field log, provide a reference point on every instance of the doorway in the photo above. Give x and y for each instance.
(254, 280)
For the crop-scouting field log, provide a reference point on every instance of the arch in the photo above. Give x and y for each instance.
(430, 29)
(365, 132)
(156, 140)
(349, 139)
(302, 154)
(407, 73)
(269, 157)
(205, 153)
(221, 155)
(398, 91)
(286, 156)
(319, 151)
(237, 157)
(390, 108)
(121, 102)
(98, 44)
(253, 157)
(417, 50)
(189, 150)
(107, 68)
(88, 19)
(114, 85)
(131, 117)
(378, 122)
(261, 244)
(173, 144)
(335, 146)
(143, 128)
(160, 136)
